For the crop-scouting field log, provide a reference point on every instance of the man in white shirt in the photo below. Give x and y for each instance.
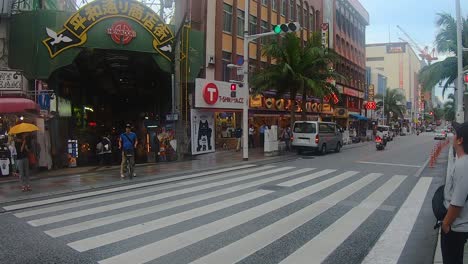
(455, 224)
(251, 136)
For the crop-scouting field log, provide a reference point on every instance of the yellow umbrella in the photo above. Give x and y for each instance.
(23, 128)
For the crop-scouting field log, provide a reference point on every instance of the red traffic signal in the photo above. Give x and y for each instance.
(233, 86)
(465, 77)
(431, 113)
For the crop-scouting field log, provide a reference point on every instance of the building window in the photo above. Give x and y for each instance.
(305, 24)
(292, 14)
(226, 71)
(227, 18)
(240, 22)
(312, 22)
(264, 28)
(265, 2)
(284, 6)
(252, 25)
(274, 5)
(299, 14)
(375, 59)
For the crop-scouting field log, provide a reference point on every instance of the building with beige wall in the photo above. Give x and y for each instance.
(401, 65)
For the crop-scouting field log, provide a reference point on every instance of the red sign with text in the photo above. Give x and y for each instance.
(210, 93)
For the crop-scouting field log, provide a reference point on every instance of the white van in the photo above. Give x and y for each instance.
(317, 136)
(384, 131)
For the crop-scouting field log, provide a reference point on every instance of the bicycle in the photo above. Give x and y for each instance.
(129, 166)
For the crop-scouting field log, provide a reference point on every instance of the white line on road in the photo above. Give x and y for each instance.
(250, 244)
(81, 226)
(389, 164)
(329, 239)
(151, 198)
(160, 248)
(127, 187)
(391, 243)
(120, 195)
(304, 179)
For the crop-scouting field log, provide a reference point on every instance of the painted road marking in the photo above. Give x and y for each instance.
(389, 164)
(392, 242)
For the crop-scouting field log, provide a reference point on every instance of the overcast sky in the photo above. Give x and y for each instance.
(416, 17)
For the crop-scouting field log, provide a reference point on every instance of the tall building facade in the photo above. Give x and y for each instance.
(401, 65)
(348, 20)
(341, 22)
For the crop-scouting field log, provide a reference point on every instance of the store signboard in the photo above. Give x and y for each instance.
(351, 92)
(339, 88)
(256, 101)
(325, 35)
(203, 137)
(11, 80)
(396, 48)
(371, 93)
(217, 95)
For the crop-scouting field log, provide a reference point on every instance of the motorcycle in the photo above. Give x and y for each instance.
(380, 143)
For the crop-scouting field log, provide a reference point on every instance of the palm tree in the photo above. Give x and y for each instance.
(298, 69)
(445, 72)
(449, 108)
(392, 103)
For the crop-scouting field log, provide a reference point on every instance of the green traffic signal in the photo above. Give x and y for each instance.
(285, 28)
(277, 29)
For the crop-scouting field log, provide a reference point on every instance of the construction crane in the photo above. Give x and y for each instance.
(423, 53)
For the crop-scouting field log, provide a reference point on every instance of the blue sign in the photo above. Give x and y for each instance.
(43, 99)
(240, 61)
(409, 105)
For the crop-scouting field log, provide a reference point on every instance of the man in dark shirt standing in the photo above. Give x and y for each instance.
(22, 148)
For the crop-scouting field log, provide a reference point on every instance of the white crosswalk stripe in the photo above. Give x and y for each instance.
(127, 187)
(102, 226)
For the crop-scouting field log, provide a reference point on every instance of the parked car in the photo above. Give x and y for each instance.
(317, 136)
(440, 134)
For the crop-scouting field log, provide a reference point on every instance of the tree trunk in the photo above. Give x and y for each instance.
(292, 112)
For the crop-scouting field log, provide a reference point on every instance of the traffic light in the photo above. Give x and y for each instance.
(465, 80)
(431, 113)
(233, 89)
(286, 28)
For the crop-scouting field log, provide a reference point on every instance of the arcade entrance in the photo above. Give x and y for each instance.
(107, 89)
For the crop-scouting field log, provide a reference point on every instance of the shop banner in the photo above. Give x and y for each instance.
(203, 132)
(11, 80)
(218, 95)
(351, 92)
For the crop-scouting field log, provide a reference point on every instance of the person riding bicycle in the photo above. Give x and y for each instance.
(127, 143)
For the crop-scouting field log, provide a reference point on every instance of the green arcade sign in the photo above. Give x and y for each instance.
(74, 32)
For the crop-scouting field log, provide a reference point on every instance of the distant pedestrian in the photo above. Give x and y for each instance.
(100, 152)
(22, 148)
(251, 136)
(455, 224)
(262, 129)
(238, 134)
(286, 137)
(107, 150)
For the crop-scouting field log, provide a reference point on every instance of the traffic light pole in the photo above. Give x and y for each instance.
(245, 108)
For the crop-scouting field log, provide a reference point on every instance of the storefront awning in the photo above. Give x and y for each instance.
(358, 117)
(17, 105)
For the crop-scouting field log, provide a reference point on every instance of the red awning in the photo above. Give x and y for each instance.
(17, 105)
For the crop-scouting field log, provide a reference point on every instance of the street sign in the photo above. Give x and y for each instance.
(240, 61)
(240, 71)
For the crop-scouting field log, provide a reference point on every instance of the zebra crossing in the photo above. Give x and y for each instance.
(243, 215)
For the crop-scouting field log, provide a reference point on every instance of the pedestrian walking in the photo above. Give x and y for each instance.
(251, 136)
(286, 137)
(107, 150)
(238, 134)
(100, 152)
(262, 129)
(455, 224)
(14, 155)
(22, 148)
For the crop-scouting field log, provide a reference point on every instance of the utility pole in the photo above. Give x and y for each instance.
(459, 116)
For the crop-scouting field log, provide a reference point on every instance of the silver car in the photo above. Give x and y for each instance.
(440, 134)
(317, 136)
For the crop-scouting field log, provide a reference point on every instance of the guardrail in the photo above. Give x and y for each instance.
(436, 150)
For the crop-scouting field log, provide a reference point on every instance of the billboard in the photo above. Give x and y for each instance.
(396, 48)
(203, 132)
